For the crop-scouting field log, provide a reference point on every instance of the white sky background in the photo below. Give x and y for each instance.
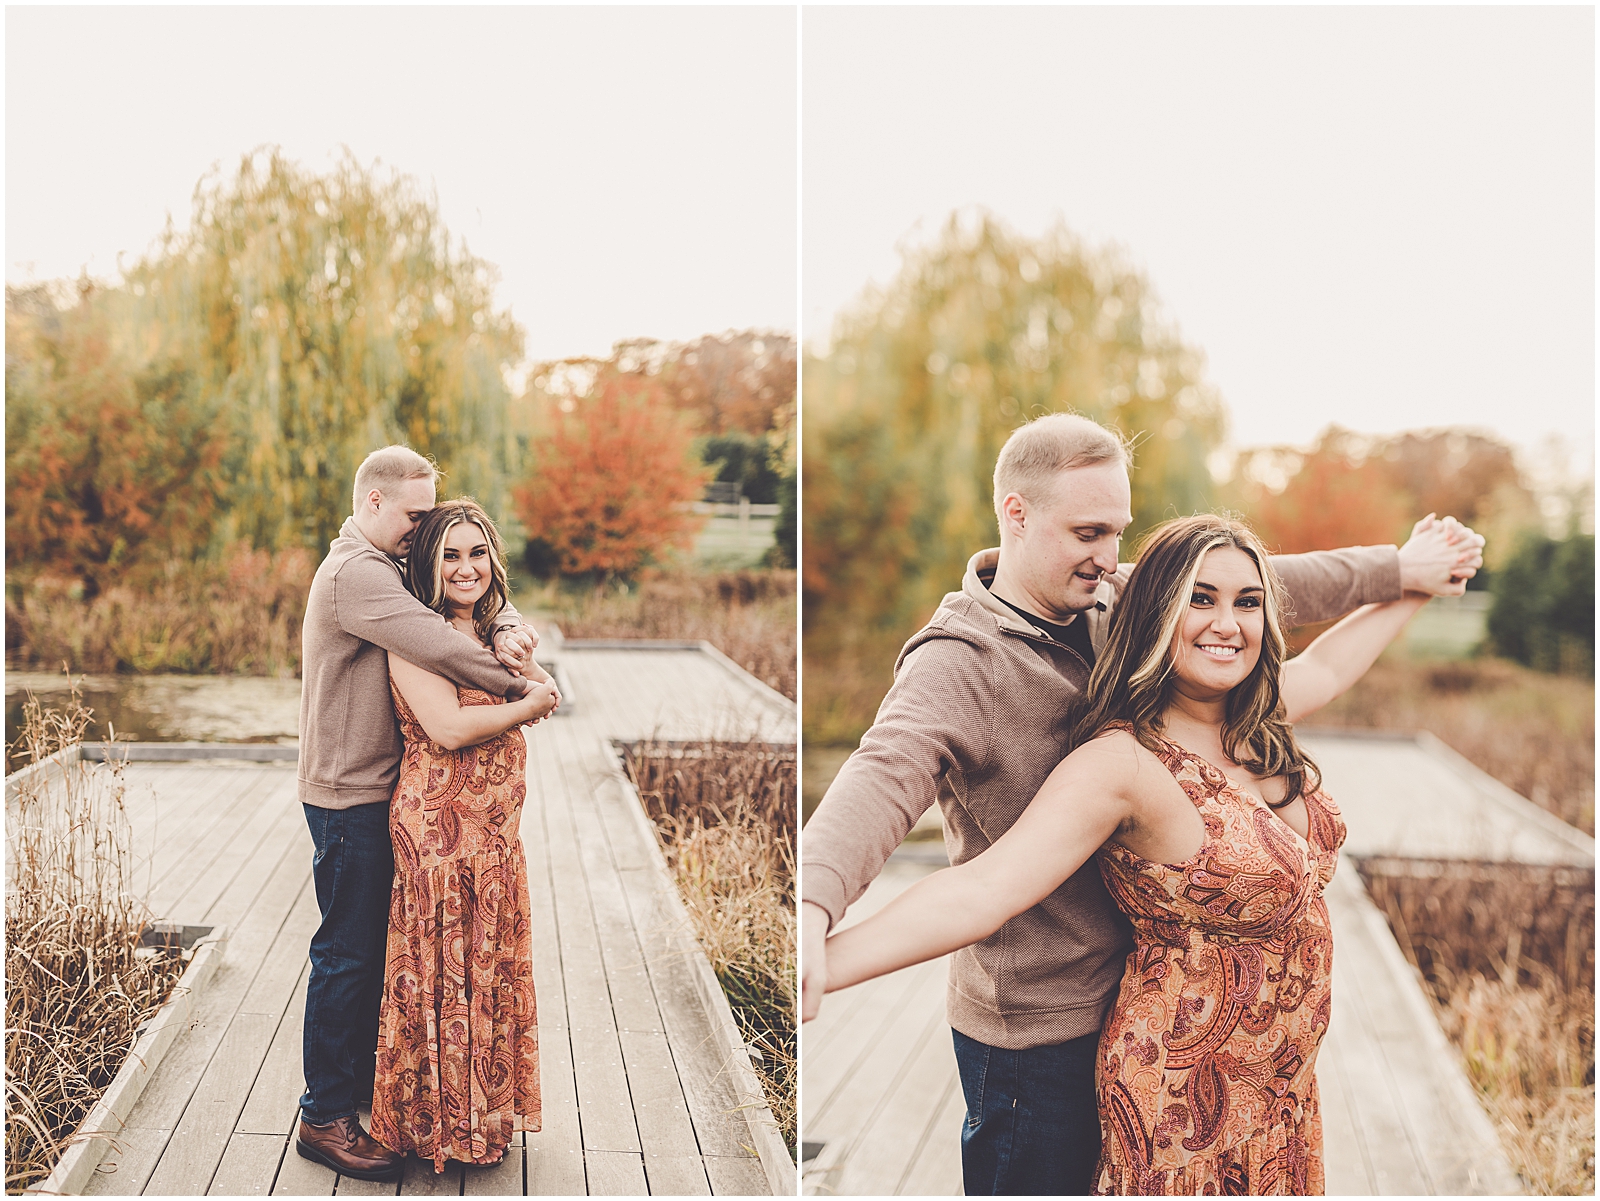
(631, 172)
(1383, 218)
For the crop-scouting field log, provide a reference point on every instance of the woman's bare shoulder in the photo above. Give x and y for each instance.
(1111, 759)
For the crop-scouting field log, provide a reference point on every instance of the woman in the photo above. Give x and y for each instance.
(1213, 837)
(458, 1044)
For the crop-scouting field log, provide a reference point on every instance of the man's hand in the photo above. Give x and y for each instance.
(813, 958)
(515, 645)
(1440, 557)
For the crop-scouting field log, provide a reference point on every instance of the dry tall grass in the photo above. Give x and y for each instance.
(76, 990)
(725, 813)
(1508, 952)
(238, 617)
(749, 616)
(1531, 731)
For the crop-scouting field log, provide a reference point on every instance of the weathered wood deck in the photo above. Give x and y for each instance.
(638, 1097)
(881, 1103)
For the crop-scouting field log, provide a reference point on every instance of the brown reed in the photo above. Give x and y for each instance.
(239, 616)
(747, 615)
(725, 815)
(76, 988)
(1508, 953)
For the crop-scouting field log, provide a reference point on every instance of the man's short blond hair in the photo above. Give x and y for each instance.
(1033, 458)
(387, 467)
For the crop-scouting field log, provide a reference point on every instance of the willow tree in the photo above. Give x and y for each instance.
(328, 315)
(924, 381)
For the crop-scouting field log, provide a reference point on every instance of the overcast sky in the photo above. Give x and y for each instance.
(1383, 217)
(632, 172)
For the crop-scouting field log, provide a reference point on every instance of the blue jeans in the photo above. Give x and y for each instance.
(1032, 1128)
(353, 870)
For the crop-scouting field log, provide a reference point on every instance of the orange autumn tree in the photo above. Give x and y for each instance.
(614, 478)
(1349, 489)
(113, 468)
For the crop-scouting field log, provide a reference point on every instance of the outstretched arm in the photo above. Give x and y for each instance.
(454, 725)
(1341, 656)
(1080, 805)
(1438, 558)
(938, 717)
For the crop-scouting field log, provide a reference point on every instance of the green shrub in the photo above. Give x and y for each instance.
(1543, 612)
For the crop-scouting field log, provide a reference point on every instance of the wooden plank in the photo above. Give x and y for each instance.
(127, 1163)
(249, 1166)
(168, 810)
(287, 962)
(1347, 1167)
(677, 1176)
(554, 1154)
(604, 1107)
(737, 1176)
(842, 1011)
(1455, 1144)
(936, 1163)
(267, 825)
(183, 830)
(554, 1170)
(615, 1174)
(504, 1179)
(633, 1003)
(348, 1187)
(154, 789)
(299, 1177)
(421, 1180)
(713, 1102)
(201, 1137)
(1380, 1119)
(659, 1108)
(880, 1024)
(885, 1142)
(292, 855)
(273, 1106)
(233, 817)
(173, 1083)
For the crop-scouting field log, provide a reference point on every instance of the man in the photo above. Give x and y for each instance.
(350, 750)
(976, 719)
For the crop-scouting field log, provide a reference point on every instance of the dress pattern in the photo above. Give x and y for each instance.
(1206, 1073)
(458, 1045)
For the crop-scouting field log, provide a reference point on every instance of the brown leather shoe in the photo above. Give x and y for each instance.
(349, 1150)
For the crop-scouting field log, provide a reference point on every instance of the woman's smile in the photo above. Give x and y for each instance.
(465, 565)
(1219, 641)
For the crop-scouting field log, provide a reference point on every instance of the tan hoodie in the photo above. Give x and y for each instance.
(976, 719)
(358, 609)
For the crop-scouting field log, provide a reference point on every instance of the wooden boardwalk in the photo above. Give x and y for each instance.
(638, 1098)
(881, 1103)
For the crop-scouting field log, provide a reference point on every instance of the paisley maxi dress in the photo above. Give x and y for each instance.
(458, 1043)
(1205, 1077)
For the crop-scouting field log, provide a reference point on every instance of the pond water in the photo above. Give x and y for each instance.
(167, 708)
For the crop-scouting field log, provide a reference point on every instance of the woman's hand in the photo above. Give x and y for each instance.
(1440, 557)
(542, 699)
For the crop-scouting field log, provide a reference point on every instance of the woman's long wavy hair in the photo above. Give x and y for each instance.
(1133, 679)
(425, 563)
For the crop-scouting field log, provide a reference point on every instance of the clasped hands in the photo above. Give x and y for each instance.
(1440, 557)
(514, 647)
